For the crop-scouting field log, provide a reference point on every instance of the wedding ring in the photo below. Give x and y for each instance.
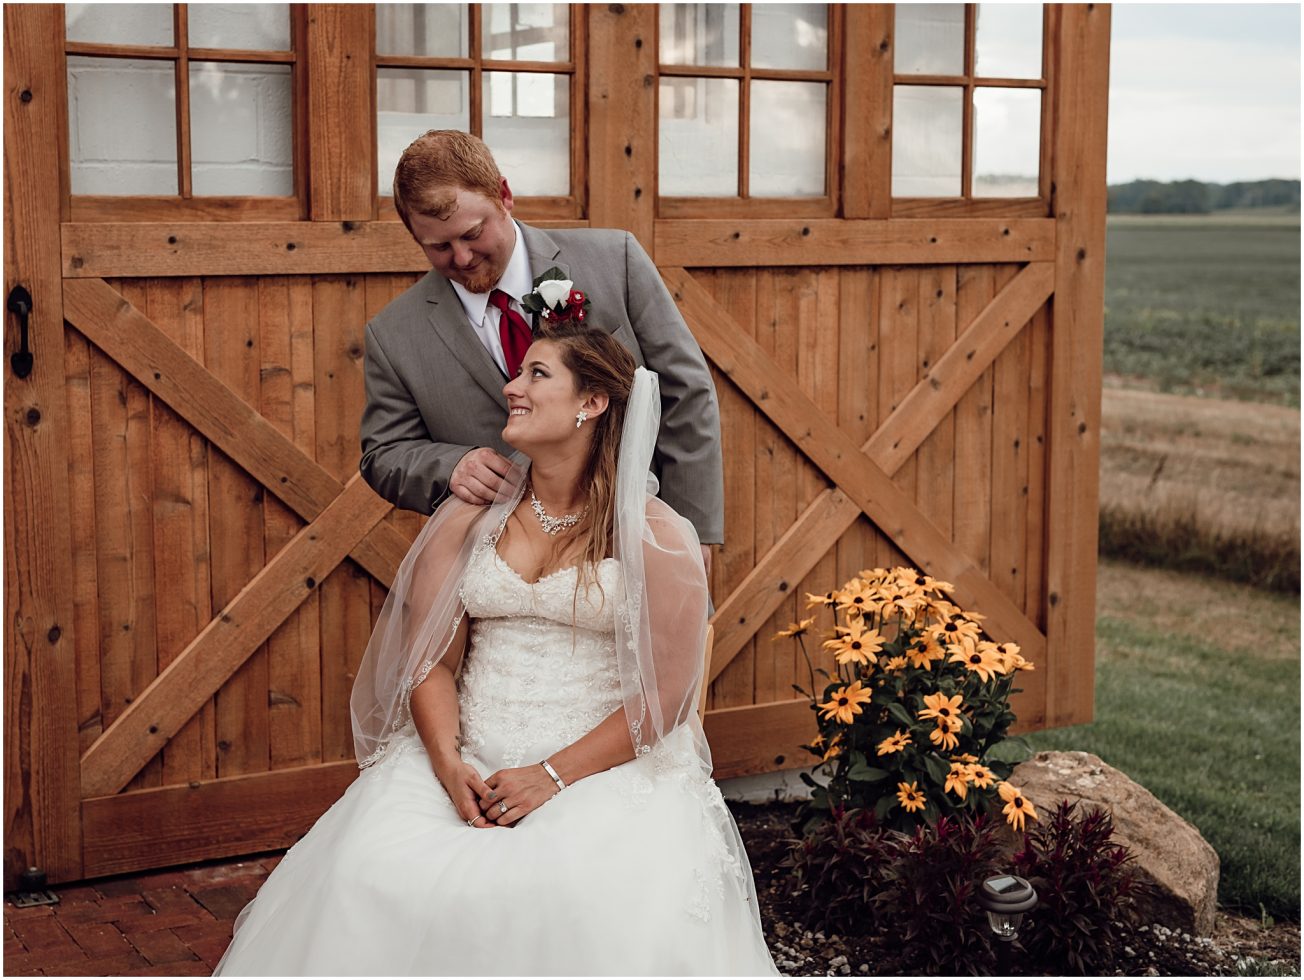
(471, 822)
(502, 807)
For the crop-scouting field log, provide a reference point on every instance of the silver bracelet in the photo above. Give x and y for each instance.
(553, 773)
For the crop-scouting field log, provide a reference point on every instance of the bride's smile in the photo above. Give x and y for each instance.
(544, 409)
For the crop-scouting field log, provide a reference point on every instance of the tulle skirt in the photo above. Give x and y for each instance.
(627, 872)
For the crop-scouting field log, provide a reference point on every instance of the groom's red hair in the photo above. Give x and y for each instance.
(435, 166)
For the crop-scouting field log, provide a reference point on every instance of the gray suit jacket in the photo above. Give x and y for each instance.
(434, 393)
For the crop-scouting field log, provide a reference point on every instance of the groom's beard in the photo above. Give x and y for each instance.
(481, 279)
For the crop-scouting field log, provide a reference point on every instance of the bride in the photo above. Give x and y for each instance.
(540, 659)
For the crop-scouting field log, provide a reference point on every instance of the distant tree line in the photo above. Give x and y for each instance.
(1198, 197)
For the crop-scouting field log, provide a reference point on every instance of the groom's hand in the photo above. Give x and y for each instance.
(478, 475)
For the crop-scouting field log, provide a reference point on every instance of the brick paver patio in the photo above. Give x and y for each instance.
(165, 923)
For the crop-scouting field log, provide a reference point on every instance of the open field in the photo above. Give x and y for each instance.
(1198, 699)
(1205, 304)
(1201, 484)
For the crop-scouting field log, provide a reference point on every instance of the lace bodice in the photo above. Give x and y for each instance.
(540, 671)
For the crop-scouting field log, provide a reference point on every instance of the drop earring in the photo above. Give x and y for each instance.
(580, 418)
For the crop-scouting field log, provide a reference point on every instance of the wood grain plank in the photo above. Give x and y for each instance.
(229, 639)
(340, 128)
(1010, 461)
(719, 242)
(181, 552)
(735, 289)
(294, 684)
(867, 69)
(42, 820)
(1073, 489)
(760, 738)
(837, 455)
(971, 523)
(81, 496)
(622, 124)
(213, 819)
(95, 250)
(339, 316)
(235, 501)
(935, 457)
(858, 352)
(225, 419)
(898, 374)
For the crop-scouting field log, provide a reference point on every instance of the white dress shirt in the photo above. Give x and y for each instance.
(517, 280)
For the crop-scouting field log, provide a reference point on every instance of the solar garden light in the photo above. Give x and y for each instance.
(1005, 898)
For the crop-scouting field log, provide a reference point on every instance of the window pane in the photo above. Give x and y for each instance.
(927, 124)
(1008, 40)
(787, 139)
(122, 126)
(790, 35)
(246, 26)
(527, 125)
(241, 130)
(537, 32)
(1007, 142)
(429, 30)
(698, 152)
(409, 102)
(119, 23)
(929, 39)
(699, 34)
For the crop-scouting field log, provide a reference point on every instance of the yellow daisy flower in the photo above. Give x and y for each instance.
(795, 629)
(964, 757)
(1011, 659)
(956, 631)
(895, 663)
(923, 651)
(847, 702)
(827, 599)
(941, 707)
(980, 776)
(957, 780)
(855, 644)
(943, 738)
(929, 584)
(855, 599)
(1017, 806)
(981, 660)
(910, 796)
(894, 743)
(834, 750)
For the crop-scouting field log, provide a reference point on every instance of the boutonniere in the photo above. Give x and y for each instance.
(555, 299)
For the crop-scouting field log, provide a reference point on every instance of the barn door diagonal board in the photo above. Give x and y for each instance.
(229, 640)
(860, 480)
(137, 344)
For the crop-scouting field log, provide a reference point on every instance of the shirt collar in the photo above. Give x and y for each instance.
(516, 281)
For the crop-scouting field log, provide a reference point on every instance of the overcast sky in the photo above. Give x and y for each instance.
(1207, 91)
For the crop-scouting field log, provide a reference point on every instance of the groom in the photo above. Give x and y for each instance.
(438, 356)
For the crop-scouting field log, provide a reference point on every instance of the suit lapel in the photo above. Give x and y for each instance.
(543, 252)
(451, 326)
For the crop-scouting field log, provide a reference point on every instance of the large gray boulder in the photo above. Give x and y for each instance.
(1171, 855)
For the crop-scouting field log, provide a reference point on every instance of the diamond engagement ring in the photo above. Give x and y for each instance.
(471, 822)
(502, 807)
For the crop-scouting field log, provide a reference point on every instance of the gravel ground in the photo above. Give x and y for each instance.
(1154, 950)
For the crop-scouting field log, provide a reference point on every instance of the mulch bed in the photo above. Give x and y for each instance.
(767, 832)
(178, 923)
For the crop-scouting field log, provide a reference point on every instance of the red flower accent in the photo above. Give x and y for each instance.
(576, 297)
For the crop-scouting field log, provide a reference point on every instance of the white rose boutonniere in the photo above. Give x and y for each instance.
(555, 299)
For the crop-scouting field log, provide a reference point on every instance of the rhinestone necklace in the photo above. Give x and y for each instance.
(554, 525)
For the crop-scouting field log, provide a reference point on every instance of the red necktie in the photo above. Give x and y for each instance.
(513, 331)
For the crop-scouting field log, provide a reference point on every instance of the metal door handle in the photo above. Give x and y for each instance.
(20, 304)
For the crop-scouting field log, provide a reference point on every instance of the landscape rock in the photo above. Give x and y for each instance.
(1172, 857)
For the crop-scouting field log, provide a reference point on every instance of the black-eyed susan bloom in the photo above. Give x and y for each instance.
(1017, 806)
(944, 737)
(895, 663)
(957, 780)
(980, 776)
(982, 660)
(956, 631)
(796, 629)
(911, 797)
(939, 706)
(846, 703)
(825, 599)
(923, 651)
(894, 743)
(855, 644)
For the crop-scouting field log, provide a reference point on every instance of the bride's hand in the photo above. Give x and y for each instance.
(512, 793)
(464, 787)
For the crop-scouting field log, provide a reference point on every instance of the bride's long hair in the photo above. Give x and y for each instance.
(601, 365)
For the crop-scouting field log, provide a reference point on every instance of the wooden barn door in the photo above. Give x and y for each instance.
(193, 567)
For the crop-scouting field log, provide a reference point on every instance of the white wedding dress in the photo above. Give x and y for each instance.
(626, 872)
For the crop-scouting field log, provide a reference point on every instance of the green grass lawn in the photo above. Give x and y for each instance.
(1198, 699)
(1206, 304)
